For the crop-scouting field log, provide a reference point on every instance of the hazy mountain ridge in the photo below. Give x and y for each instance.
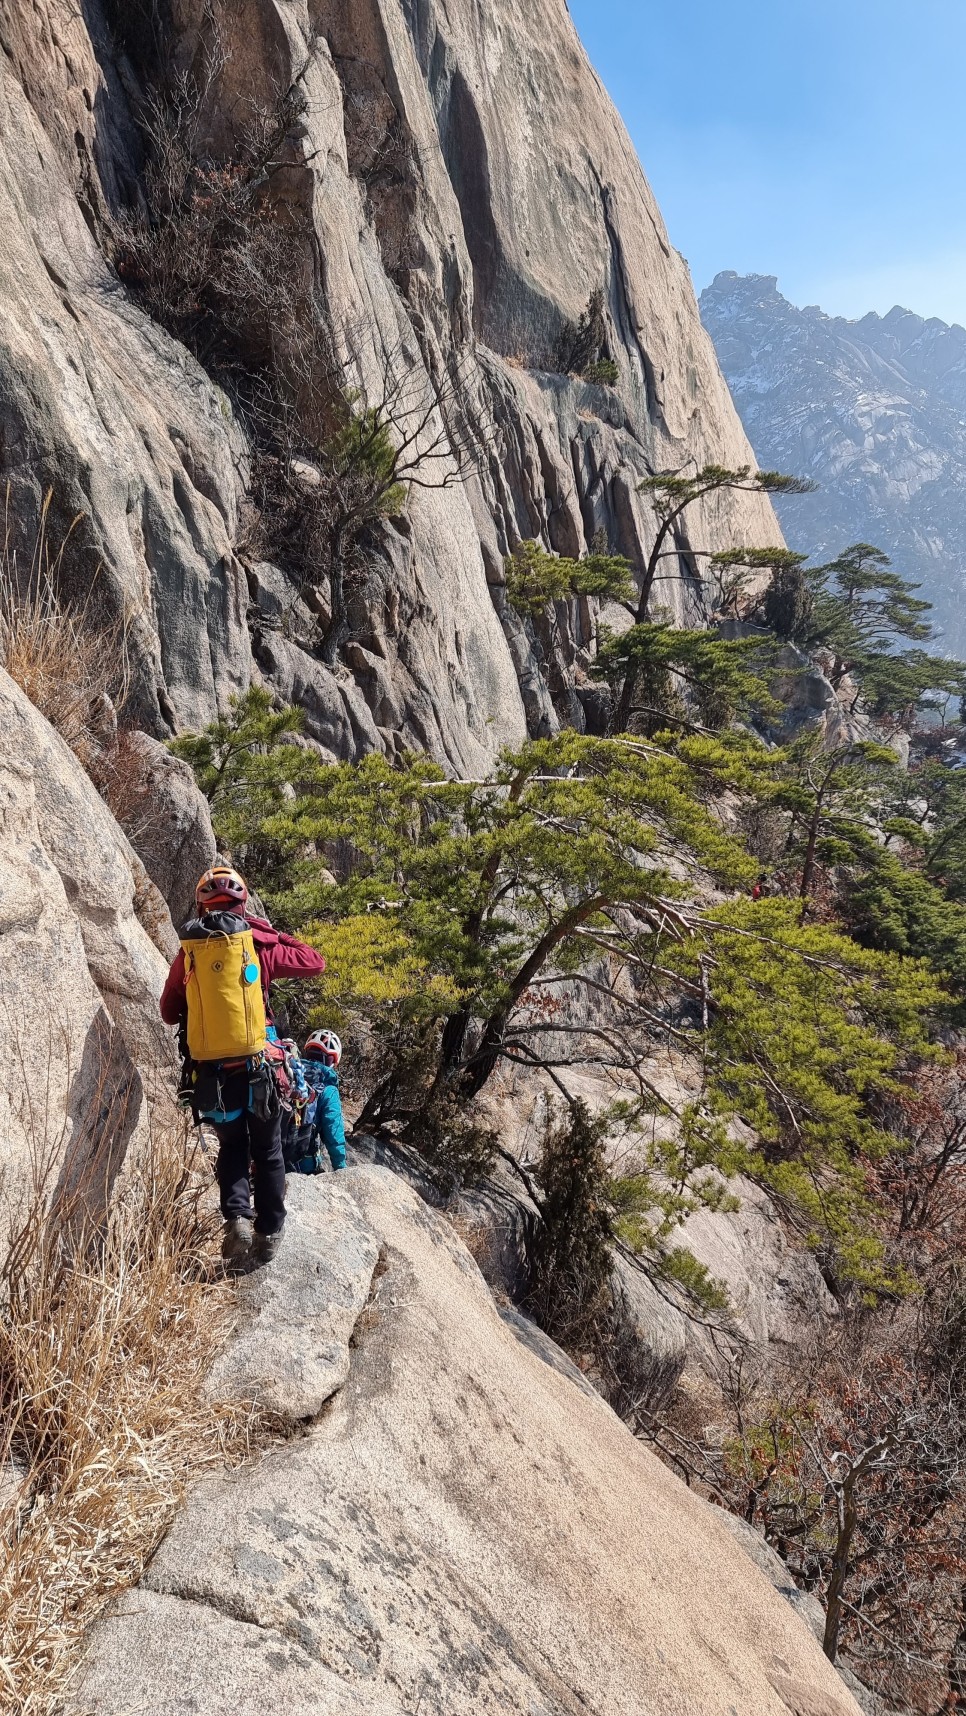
(873, 410)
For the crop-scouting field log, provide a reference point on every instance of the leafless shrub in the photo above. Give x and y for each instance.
(108, 1326)
(215, 256)
(583, 347)
(128, 788)
(70, 664)
(339, 459)
(342, 428)
(852, 1463)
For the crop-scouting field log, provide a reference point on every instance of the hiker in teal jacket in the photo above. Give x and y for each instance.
(329, 1121)
(323, 1124)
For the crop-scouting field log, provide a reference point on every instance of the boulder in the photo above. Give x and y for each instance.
(109, 897)
(79, 1024)
(461, 1530)
(290, 1354)
(167, 820)
(499, 1223)
(649, 1340)
(774, 1285)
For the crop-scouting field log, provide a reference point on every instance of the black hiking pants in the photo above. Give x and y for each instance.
(250, 1162)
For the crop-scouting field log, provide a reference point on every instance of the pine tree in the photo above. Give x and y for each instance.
(248, 764)
(536, 579)
(465, 911)
(672, 496)
(832, 795)
(808, 1035)
(681, 677)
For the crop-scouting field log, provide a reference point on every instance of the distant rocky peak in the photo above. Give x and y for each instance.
(873, 410)
(734, 293)
(747, 285)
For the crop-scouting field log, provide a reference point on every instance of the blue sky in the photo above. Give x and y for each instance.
(820, 140)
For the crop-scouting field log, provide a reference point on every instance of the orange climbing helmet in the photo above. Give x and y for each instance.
(221, 886)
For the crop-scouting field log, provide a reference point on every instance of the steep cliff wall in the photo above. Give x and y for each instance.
(462, 185)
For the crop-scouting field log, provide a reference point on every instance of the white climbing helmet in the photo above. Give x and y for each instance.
(324, 1046)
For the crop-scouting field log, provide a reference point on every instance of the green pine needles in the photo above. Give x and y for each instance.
(536, 579)
(553, 915)
(808, 1037)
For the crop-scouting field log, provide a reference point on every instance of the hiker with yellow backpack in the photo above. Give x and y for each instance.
(218, 988)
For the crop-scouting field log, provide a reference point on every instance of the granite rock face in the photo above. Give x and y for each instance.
(461, 1530)
(97, 403)
(461, 185)
(167, 820)
(79, 1026)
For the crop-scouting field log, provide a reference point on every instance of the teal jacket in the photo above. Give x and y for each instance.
(328, 1117)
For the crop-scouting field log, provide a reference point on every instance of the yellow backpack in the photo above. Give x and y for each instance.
(223, 986)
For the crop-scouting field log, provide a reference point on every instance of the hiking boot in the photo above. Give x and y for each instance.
(236, 1245)
(265, 1247)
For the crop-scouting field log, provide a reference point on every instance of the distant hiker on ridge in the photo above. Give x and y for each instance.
(217, 989)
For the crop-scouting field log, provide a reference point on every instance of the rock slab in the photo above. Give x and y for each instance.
(79, 1026)
(461, 1531)
(291, 1351)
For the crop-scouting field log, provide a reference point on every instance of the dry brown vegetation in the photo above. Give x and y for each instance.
(107, 1332)
(67, 661)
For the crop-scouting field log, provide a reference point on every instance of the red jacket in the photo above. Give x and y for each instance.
(279, 955)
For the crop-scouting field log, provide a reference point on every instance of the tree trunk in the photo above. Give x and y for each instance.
(378, 1109)
(625, 703)
(848, 1520)
(808, 868)
(338, 628)
(453, 1042)
(840, 1567)
(488, 1054)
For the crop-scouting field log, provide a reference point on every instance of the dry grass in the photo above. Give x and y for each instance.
(124, 781)
(71, 666)
(107, 1334)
